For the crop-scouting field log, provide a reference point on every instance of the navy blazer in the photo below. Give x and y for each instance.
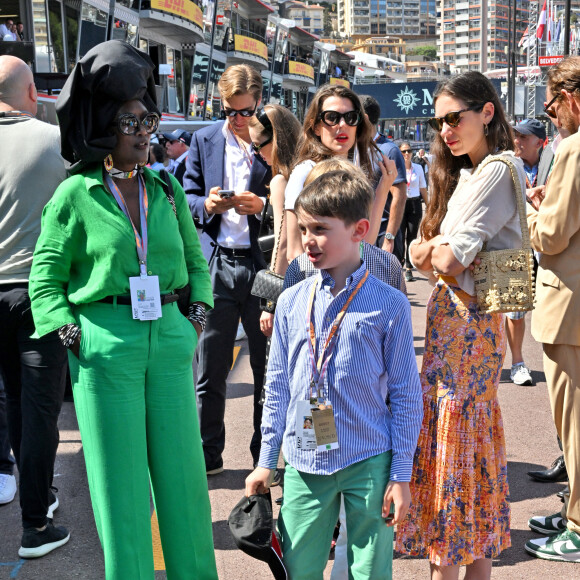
(204, 169)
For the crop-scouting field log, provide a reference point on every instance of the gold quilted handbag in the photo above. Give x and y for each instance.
(504, 280)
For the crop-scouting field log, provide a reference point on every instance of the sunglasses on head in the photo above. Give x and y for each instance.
(452, 118)
(258, 148)
(227, 112)
(332, 118)
(129, 124)
(548, 107)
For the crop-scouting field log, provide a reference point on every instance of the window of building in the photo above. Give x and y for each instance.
(93, 28)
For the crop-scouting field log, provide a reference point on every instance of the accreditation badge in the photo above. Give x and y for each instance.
(324, 427)
(305, 437)
(145, 297)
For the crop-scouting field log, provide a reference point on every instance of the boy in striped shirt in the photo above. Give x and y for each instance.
(342, 342)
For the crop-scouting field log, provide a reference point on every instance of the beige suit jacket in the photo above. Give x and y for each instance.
(555, 232)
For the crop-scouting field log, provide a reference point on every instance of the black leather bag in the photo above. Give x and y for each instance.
(267, 284)
(266, 237)
(267, 287)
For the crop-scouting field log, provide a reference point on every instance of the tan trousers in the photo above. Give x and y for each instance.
(562, 370)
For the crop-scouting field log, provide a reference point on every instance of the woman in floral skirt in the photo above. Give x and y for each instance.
(460, 513)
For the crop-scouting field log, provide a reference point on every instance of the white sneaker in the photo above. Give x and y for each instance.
(520, 375)
(7, 488)
(54, 503)
(241, 332)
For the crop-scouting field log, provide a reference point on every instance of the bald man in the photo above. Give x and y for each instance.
(34, 370)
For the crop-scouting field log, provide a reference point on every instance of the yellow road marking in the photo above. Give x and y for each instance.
(236, 353)
(157, 550)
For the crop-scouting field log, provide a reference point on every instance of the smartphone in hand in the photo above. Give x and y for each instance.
(226, 193)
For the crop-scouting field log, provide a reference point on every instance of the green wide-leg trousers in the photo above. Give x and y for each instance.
(136, 409)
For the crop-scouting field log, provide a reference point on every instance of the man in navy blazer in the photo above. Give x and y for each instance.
(221, 161)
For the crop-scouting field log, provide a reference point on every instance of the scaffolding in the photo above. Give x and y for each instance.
(532, 78)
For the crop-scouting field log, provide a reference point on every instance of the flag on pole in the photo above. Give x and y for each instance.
(541, 22)
(524, 39)
(550, 25)
(558, 30)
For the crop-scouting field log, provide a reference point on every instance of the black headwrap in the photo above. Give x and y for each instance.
(109, 75)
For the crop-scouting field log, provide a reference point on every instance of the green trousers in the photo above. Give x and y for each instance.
(310, 511)
(136, 409)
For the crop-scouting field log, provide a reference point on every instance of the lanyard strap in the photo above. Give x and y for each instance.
(140, 240)
(411, 177)
(16, 114)
(319, 369)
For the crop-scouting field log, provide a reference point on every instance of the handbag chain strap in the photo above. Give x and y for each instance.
(526, 244)
(277, 244)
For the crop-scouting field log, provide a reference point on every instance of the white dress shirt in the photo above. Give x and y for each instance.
(234, 230)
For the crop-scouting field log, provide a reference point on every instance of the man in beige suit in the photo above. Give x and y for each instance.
(555, 232)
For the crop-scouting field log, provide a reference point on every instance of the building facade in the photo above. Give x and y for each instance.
(363, 18)
(473, 35)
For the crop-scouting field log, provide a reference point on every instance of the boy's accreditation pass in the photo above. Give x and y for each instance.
(144, 289)
(315, 425)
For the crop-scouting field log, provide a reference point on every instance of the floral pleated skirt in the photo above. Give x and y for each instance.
(459, 491)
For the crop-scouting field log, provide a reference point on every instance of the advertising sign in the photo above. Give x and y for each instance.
(550, 60)
(342, 82)
(406, 100)
(301, 68)
(250, 46)
(184, 8)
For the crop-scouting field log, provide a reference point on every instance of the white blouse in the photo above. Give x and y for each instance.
(483, 209)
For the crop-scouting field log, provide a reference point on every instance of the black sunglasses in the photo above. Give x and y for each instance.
(452, 118)
(129, 124)
(405, 151)
(332, 118)
(264, 120)
(226, 112)
(547, 107)
(258, 148)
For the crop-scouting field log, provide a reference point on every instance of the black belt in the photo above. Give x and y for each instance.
(236, 252)
(126, 300)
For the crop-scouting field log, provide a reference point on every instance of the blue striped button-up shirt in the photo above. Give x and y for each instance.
(373, 357)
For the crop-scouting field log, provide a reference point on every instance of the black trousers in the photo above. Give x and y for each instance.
(34, 371)
(6, 461)
(410, 225)
(232, 280)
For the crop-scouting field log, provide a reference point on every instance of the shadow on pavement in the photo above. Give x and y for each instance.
(239, 390)
(522, 487)
(537, 377)
(229, 479)
(516, 553)
(222, 537)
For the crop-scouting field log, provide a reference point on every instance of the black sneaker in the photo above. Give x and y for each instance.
(36, 544)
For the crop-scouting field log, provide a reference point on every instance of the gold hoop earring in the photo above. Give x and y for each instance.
(485, 129)
(108, 162)
(142, 163)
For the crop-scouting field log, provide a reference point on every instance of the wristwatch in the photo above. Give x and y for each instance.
(389, 236)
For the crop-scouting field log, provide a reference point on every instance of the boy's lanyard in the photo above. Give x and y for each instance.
(319, 369)
(140, 240)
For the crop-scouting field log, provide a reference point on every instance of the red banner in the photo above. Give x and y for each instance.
(550, 60)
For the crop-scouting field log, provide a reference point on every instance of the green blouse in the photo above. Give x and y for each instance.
(86, 250)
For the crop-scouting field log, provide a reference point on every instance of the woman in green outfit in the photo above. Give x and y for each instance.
(112, 252)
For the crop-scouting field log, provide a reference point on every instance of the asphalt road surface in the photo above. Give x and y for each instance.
(531, 444)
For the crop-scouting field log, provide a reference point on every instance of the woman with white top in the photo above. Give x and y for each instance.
(416, 189)
(335, 125)
(460, 513)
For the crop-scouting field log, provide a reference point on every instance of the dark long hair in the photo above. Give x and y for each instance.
(285, 132)
(473, 89)
(312, 148)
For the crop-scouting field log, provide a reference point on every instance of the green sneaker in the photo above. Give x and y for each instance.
(547, 524)
(564, 547)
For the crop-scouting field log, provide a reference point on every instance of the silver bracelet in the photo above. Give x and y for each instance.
(68, 334)
(197, 314)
